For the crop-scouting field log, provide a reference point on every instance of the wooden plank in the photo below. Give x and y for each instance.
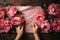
(28, 2)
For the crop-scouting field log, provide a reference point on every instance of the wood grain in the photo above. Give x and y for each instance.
(28, 2)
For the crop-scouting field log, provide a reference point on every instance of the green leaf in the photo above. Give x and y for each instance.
(5, 3)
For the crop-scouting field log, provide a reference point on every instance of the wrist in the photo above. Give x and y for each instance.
(18, 37)
(19, 34)
(35, 33)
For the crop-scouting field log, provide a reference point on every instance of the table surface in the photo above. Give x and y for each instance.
(30, 36)
(29, 2)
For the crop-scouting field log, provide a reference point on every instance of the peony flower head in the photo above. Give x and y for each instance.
(56, 25)
(1, 14)
(53, 9)
(1, 8)
(58, 10)
(17, 19)
(45, 26)
(40, 16)
(11, 11)
(5, 25)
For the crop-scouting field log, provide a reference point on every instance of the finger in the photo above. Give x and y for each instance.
(31, 23)
(35, 25)
(22, 28)
(17, 27)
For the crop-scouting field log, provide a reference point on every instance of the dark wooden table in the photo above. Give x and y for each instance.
(30, 36)
(30, 2)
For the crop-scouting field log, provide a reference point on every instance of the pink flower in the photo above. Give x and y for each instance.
(1, 8)
(53, 9)
(17, 19)
(58, 10)
(56, 24)
(5, 25)
(1, 23)
(11, 11)
(40, 16)
(45, 26)
(1, 14)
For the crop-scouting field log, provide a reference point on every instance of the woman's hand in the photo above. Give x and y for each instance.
(19, 31)
(35, 31)
(34, 27)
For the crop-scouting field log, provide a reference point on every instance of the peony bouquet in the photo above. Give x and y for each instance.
(9, 17)
(49, 20)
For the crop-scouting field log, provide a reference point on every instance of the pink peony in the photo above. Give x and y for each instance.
(1, 8)
(1, 14)
(11, 11)
(40, 16)
(45, 26)
(53, 9)
(56, 25)
(1, 23)
(5, 25)
(17, 19)
(58, 10)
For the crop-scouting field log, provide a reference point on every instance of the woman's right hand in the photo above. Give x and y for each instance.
(19, 31)
(34, 27)
(35, 31)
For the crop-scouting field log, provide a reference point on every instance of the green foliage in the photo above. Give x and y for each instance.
(5, 3)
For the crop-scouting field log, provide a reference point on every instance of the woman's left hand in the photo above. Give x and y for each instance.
(19, 30)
